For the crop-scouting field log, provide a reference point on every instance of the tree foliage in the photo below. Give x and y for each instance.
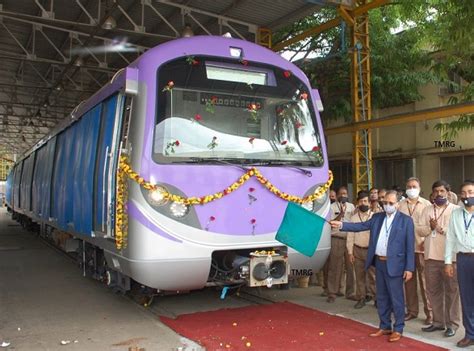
(436, 41)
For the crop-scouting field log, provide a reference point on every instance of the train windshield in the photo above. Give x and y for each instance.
(210, 109)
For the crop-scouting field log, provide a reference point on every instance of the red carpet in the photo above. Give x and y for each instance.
(282, 326)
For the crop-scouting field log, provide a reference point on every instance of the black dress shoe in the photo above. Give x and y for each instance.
(432, 328)
(449, 332)
(359, 304)
(465, 342)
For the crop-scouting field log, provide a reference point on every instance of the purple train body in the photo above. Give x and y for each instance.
(231, 105)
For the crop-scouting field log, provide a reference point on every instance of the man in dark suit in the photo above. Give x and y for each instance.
(391, 251)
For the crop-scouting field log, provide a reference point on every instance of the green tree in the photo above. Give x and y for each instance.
(448, 28)
(436, 42)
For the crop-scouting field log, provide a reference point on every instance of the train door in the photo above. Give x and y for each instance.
(108, 150)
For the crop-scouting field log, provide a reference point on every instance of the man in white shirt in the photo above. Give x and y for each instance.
(460, 240)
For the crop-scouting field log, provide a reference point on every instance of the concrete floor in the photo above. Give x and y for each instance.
(44, 299)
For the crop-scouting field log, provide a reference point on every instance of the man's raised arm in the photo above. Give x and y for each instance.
(352, 227)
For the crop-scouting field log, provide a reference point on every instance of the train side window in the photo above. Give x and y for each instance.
(125, 130)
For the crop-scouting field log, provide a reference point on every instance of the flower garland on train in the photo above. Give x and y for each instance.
(121, 217)
(125, 172)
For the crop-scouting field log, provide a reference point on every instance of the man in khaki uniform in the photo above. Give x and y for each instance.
(357, 246)
(341, 211)
(413, 206)
(443, 291)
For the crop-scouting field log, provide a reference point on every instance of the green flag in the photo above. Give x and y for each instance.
(300, 229)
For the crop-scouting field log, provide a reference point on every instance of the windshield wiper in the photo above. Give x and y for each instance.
(288, 165)
(212, 160)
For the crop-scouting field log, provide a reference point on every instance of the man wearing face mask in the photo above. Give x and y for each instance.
(391, 251)
(374, 200)
(442, 290)
(460, 240)
(341, 210)
(413, 206)
(357, 246)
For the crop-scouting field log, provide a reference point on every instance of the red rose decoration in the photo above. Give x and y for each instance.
(195, 62)
(253, 221)
(168, 86)
(251, 190)
(287, 74)
(251, 140)
(315, 148)
(298, 124)
(284, 142)
(198, 117)
(244, 62)
(304, 96)
(212, 218)
(177, 142)
(214, 99)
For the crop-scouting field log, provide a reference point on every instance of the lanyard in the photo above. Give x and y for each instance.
(368, 216)
(434, 210)
(466, 224)
(387, 230)
(409, 210)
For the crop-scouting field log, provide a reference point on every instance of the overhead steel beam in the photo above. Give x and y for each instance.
(39, 26)
(32, 105)
(328, 25)
(413, 117)
(11, 56)
(53, 18)
(137, 23)
(28, 86)
(251, 27)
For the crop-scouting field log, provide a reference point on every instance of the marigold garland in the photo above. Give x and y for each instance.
(121, 217)
(125, 171)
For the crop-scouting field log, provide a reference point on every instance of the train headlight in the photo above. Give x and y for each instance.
(308, 205)
(179, 209)
(157, 197)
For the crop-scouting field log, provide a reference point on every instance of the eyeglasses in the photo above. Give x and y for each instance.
(388, 203)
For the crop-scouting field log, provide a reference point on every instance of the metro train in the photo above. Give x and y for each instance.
(177, 173)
